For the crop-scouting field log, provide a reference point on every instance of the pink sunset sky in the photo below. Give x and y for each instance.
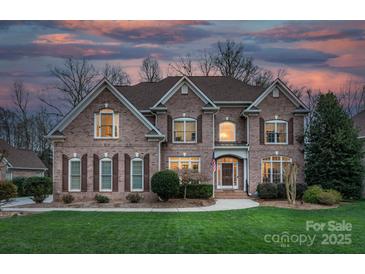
(321, 55)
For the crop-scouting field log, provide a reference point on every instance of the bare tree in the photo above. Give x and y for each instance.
(76, 78)
(116, 75)
(352, 97)
(183, 65)
(231, 61)
(21, 100)
(150, 70)
(206, 63)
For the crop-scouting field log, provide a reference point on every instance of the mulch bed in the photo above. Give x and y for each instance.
(172, 203)
(299, 204)
(5, 214)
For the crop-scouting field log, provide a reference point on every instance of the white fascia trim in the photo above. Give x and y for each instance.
(90, 97)
(231, 147)
(286, 91)
(361, 137)
(28, 168)
(175, 87)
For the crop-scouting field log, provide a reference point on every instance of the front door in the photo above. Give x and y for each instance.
(227, 174)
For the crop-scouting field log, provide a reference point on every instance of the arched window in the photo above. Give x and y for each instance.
(106, 174)
(74, 171)
(137, 174)
(184, 130)
(227, 132)
(276, 132)
(106, 124)
(273, 168)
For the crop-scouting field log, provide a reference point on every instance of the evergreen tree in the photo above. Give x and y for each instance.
(333, 152)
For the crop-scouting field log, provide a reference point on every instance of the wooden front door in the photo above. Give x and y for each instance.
(227, 174)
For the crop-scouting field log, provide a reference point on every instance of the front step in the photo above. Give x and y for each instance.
(230, 194)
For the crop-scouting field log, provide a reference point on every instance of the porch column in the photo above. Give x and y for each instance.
(245, 170)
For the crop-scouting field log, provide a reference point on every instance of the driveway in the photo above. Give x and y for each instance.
(26, 201)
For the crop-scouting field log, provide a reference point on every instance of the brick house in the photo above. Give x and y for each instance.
(119, 136)
(19, 163)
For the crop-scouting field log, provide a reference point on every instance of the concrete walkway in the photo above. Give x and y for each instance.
(20, 201)
(220, 205)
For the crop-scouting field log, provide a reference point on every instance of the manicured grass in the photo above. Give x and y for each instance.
(240, 231)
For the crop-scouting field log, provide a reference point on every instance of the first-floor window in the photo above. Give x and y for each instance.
(137, 174)
(75, 175)
(273, 169)
(105, 175)
(184, 163)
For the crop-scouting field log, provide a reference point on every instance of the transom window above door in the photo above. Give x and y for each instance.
(106, 124)
(276, 132)
(184, 130)
(227, 132)
(184, 163)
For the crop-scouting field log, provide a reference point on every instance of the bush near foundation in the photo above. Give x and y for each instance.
(38, 187)
(267, 191)
(197, 191)
(165, 184)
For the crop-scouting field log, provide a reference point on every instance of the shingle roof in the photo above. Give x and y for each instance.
(21, 157)
(218, 88)
(359, 121)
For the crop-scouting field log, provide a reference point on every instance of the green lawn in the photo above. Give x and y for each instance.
(240, 231)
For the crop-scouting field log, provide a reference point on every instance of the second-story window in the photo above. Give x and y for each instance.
(276, 132)
(227, 132)
(106, 124)
(184, 130)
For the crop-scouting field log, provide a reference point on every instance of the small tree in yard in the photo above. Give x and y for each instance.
(291, 183)
(7, 192)
(334, 152)
(38, 187)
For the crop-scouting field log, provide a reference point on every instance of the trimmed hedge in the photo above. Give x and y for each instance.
(165, 184)
(101, 199)
(38, 187)
(196, 191)
(267, 191)
(301, 188)
(20, 182)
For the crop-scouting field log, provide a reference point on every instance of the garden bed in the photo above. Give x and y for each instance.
(172, 203)
(299, 204)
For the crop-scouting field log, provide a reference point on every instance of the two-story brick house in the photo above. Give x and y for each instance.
(119, 136)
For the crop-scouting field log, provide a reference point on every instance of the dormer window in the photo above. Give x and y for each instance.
(106, 124)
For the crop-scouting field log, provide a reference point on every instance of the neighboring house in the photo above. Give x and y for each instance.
(359, 122)
(19, 163)
(119, 136)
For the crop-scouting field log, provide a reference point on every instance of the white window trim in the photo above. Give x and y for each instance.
(184, 120)
(276, 122)
(115, 134)
(132, 188)
(281, 161)
(189, 161)
(100, 175)
(234, 131)
(69, 174)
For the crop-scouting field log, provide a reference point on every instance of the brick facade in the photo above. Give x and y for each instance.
(79, 139)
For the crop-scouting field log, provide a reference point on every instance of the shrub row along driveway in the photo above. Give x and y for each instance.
(239, 231)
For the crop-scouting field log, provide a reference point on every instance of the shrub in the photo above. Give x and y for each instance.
(329, 197)
(68, 198)
(7, 191)
(312, 193)
(282, 190)
(197, 191)
(165, 184)
(267, 191)
(38, 187)
(20, 182)
(134, 197)
(101, 199)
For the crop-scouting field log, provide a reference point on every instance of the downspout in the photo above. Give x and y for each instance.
(248, 155)
(213, 177)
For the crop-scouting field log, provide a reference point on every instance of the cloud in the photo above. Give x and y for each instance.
(290, 56)
(310, 31)
(92, 52)
(169, 32)
(61, 38)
